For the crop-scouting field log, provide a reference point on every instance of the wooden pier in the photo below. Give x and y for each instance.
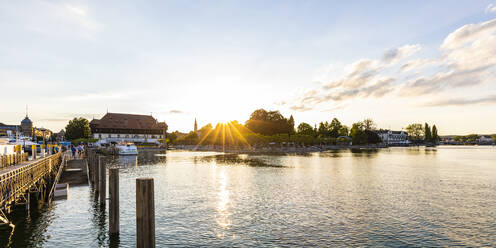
(18, 180)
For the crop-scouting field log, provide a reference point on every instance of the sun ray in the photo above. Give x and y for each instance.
(223, 137)
(204, 138)
(240, 135)
(229, 134)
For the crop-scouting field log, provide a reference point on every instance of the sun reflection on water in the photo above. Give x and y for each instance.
(223, 214)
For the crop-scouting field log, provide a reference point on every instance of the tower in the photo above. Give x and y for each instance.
(27, 125)
(196, 126)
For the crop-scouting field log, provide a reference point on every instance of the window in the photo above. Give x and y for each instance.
(99, 135)
(118, 135)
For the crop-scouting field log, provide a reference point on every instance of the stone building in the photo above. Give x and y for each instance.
(117, 127)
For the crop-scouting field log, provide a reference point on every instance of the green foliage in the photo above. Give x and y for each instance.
(83, 140)
(172, 136)
(435, 136)
(494, 138)
(77, 128)
(427, 133)
(343, 131)
(361, 133)
(269, 123)
(189, 139)
(334, 128)
(324, 129)
(472, 138)
(357, 133)
(369, 124)
(305, 129)
(415, 131)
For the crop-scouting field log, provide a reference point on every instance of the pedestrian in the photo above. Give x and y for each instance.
(73, 149)
(80, 151)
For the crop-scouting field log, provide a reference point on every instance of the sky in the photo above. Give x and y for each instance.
(396, 62)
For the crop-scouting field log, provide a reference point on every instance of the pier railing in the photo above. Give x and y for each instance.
(15, 183)
(12, 159)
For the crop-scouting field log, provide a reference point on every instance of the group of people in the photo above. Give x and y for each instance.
(77, 151)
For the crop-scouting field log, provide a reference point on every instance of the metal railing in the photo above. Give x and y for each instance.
(15, 183)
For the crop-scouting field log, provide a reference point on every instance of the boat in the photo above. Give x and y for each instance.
(126, 149)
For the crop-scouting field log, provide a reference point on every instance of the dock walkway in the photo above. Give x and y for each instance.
(75, 174)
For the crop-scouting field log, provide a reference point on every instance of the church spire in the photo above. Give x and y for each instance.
(196, 126)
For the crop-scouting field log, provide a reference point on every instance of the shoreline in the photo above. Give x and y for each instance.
(273, 149)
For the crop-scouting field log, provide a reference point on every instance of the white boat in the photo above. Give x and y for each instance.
(127, 149)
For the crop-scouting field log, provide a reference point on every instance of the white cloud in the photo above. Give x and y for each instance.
(466, 60)
(397, 54)
(416, 64)
(362, 78)
(490, 8)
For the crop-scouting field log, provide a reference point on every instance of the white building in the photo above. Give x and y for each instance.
(485, 140)
(394, 137)
(115, 127)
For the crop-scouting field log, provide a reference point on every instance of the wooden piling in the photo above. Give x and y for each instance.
(114, 201)
(145, 213)
(102, 180)
(28, 200)
(95, 170)
(89, 161)
(33, 150)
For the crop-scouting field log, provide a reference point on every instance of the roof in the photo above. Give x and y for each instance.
(127, 121)
(26, 121)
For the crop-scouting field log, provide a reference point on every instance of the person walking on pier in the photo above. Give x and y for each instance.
(80, 151)
(73, 149)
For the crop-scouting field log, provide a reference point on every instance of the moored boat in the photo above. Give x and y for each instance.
(127, 149)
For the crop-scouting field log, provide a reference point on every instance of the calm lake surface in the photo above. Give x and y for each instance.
(443, 196)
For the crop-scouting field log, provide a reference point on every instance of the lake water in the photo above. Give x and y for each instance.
(443, 196)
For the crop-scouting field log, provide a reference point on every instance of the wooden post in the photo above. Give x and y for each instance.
(90, 169)
(114, 201)
(145, 213)
(96, 176)
(95, 170)
(28, 200)
(102, 180)
(33, 149)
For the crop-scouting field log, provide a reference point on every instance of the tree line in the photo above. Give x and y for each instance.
(419, 133)
(266, 127)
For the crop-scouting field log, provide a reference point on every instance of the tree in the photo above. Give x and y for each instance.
(372, 137)
(415, 131)
(324, 129)
(334, 128)
(369, 124)
(427, 133)
(435, 136)
(472, 138)
(291, 123)
(305, 129)
(269, 123)
(494, 138)
(344, 131)
(357, 133)
(77, 128)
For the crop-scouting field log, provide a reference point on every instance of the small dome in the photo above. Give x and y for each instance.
(26, 121)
